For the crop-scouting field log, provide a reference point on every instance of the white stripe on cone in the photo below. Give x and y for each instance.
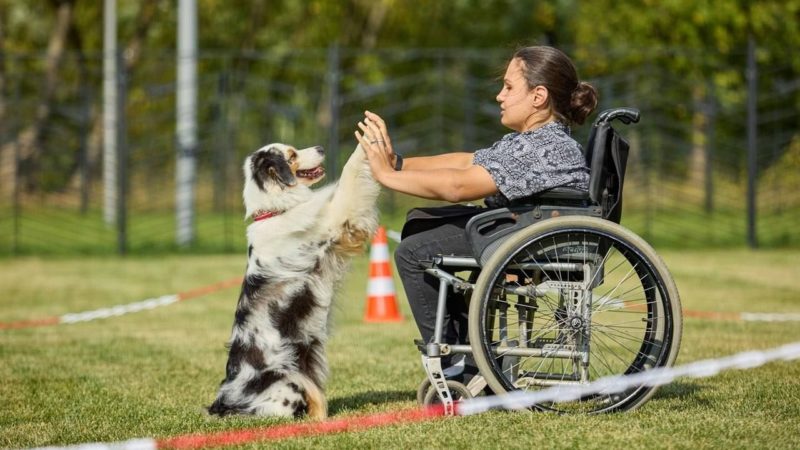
(381, 286)
(379, 253)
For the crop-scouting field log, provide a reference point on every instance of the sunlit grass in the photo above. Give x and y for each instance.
(151, 373)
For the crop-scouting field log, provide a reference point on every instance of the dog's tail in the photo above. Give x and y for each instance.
(314, 397)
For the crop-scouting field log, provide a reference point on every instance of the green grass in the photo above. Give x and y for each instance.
(58, 230)
(151, 373)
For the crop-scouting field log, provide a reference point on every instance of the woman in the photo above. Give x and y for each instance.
(541, 96)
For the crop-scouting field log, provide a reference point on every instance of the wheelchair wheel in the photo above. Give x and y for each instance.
(570, 300)
(457, 390)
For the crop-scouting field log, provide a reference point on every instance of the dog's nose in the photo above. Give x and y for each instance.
(319, 149)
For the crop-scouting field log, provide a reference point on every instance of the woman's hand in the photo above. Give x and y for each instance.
(376, 144)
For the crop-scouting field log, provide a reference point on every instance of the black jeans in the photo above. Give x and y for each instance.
(446, 237)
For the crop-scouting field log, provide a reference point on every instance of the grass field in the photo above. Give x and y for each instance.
(151, 373)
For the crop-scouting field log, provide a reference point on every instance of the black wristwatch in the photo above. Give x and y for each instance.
(398, 161)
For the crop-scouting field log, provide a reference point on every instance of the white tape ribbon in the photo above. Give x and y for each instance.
(119, 309)
(621, 383)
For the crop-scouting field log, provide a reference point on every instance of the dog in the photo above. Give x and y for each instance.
(299, 245)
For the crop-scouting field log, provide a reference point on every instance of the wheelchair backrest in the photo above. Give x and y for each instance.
(607, 157)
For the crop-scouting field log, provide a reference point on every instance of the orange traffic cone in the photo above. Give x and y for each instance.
(381, 301)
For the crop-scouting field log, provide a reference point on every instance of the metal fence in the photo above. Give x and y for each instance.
(691, 181)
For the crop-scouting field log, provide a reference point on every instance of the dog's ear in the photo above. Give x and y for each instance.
(272, 164)
(282, 173)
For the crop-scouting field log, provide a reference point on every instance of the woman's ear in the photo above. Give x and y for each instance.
(540, 96)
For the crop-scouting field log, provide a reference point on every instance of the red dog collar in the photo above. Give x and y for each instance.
(262, 215)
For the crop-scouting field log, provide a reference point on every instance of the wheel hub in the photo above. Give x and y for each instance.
(576, 323)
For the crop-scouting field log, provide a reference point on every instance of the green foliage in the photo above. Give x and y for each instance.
(266, 74)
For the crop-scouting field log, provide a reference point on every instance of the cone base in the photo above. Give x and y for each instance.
(382, 309)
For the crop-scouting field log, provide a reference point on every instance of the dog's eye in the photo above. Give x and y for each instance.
(292, 158)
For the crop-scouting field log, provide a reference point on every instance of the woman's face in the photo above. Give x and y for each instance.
(516, 100)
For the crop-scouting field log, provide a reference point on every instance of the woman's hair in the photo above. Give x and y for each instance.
(571, 100)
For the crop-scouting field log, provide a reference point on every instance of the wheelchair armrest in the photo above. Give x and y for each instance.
(486, 229)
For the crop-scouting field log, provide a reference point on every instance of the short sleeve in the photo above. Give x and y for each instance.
(522, 164)
(507, 163)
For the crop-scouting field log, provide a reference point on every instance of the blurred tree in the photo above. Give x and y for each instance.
(703, 44)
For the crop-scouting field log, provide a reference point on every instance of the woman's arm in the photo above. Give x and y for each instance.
(457, 160)
(452, 185)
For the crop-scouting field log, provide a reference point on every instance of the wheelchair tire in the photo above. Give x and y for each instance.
(422, 390)
(457, 390)
(531, 328)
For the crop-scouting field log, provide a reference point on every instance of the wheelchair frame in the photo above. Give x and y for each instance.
(559, 243)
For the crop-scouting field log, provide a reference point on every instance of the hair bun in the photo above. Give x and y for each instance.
(582, 103)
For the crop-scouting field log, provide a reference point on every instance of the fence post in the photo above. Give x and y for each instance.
(111, 68)
(16, 191)
(121, 159)
(186, 123)
(752, 140)
(333, 130)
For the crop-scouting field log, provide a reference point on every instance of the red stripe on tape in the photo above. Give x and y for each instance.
(295, 430)
(30, 323)
(209, 289)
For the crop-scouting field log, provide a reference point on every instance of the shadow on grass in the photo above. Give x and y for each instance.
(358, 401)
(678, 390)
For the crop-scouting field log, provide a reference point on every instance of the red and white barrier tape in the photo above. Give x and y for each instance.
(120, 310)
(621, 383)
(514, 400)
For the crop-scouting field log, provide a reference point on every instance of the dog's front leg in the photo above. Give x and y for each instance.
(351, 214)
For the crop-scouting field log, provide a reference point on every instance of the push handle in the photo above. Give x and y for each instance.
(625, 115)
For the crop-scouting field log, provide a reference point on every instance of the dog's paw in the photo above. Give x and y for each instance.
(359, 153)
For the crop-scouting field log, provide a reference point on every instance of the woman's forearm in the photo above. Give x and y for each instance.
(458, 160)
(453, 185)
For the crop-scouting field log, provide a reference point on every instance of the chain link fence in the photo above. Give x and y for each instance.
(692, 179)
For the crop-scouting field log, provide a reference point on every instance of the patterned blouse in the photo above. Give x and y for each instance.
(523, 164)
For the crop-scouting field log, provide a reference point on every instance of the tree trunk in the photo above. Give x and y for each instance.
(27, 142)
(698, 156)
(7, 165)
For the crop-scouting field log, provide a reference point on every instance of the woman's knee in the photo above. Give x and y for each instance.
(405, 255)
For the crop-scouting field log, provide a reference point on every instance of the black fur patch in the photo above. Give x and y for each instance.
(220, 408)
(309, 359)
(287, 320)
(300, 408)
(271, 164)
(261, 382)
(241, 353)
(249, 250)
(240, 318)
(252, 284)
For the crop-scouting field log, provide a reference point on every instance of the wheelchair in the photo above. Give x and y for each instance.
(559, 293)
